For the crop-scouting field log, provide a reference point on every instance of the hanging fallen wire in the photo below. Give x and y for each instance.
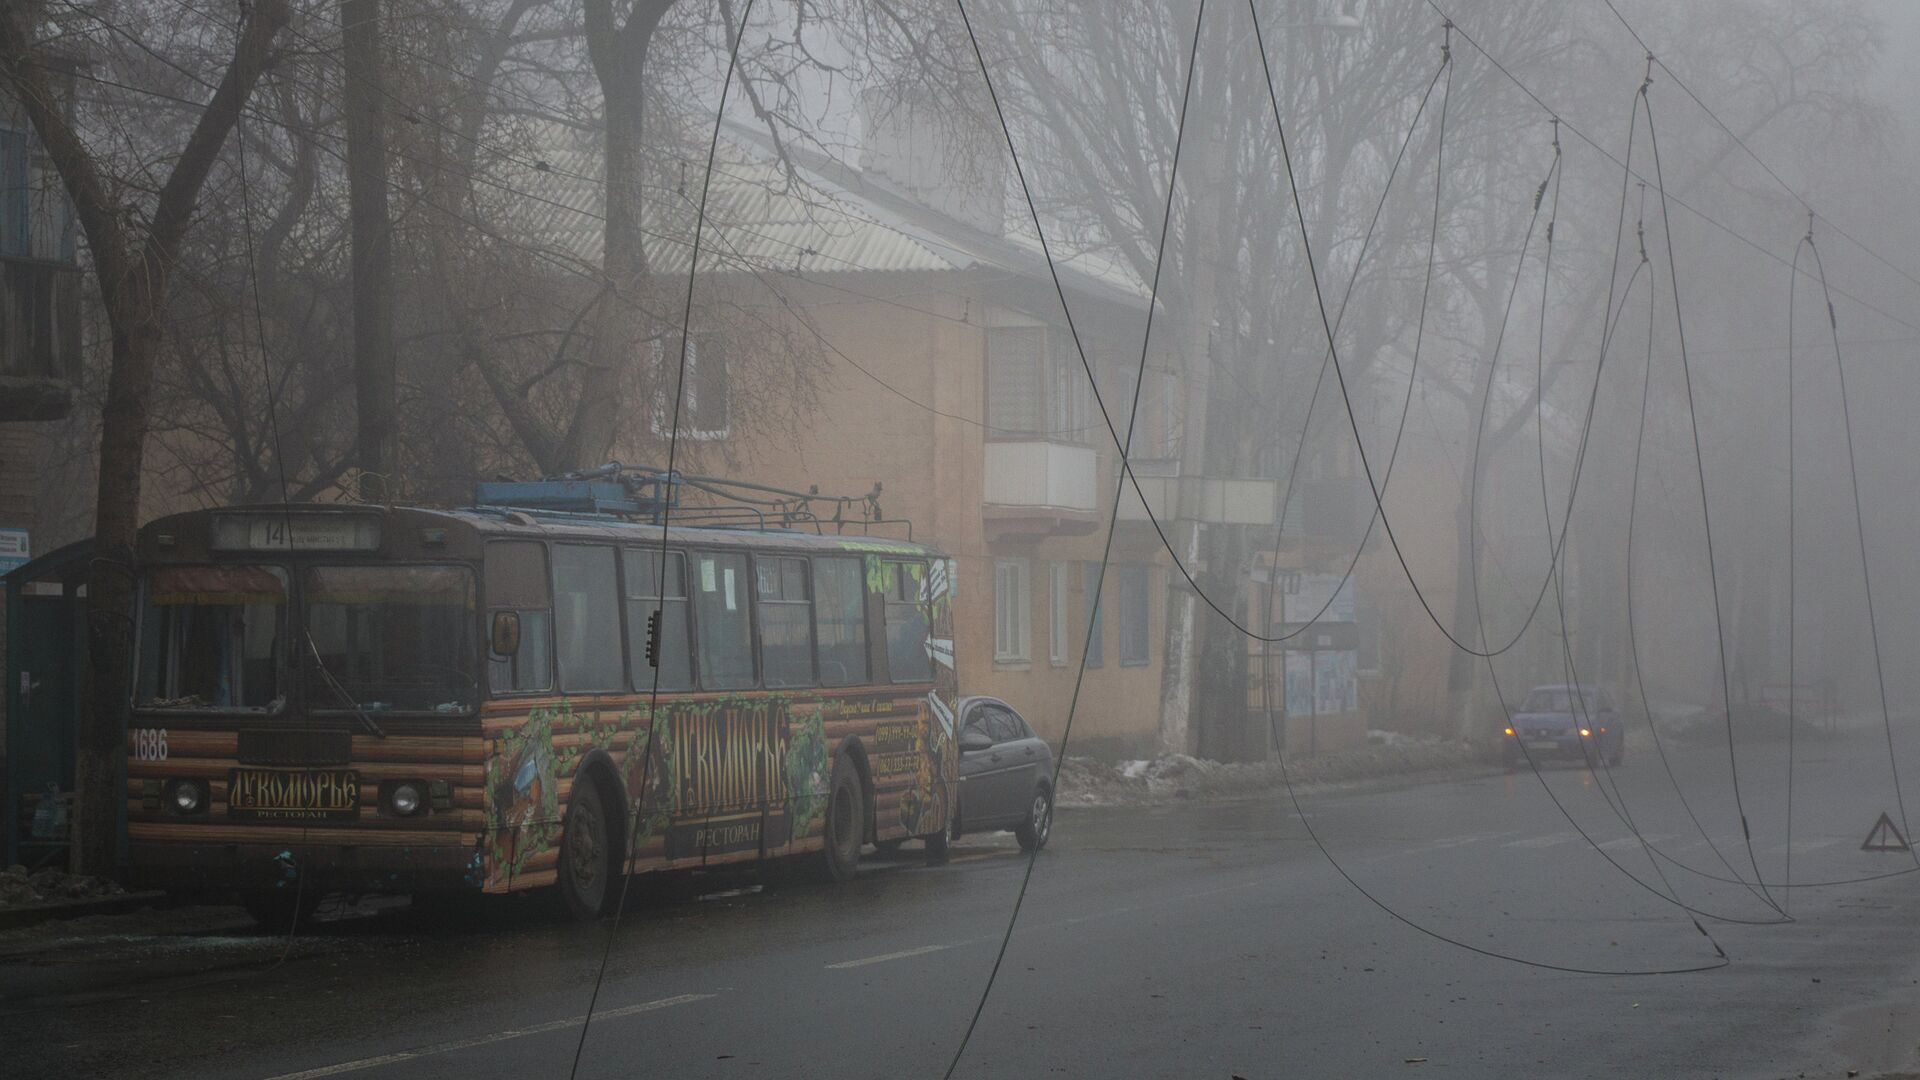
(1616, 801)
(1626, 174)
(1125, 444)
(1277, 737)
(1700, 469)
(1860, 530)
(639, 800)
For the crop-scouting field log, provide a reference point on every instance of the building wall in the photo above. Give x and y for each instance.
(926, 339)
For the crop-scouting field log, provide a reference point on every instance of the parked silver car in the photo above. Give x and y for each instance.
(1006, 774)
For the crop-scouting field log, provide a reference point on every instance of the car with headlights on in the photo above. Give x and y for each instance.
(1564, 720)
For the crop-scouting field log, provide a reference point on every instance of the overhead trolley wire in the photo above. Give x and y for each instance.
(1674, 199)
(1751, 153)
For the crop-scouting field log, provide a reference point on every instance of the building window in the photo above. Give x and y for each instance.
(1012, 604)
(703, 391)
(1070, 412)
(1135, 605)
(1037, 385)
(1014, 390)
(786, 617)
(1058, 648)
(840, 620)
(1096, 633)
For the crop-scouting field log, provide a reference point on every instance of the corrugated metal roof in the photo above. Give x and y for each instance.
(758, 216)
(817, 217)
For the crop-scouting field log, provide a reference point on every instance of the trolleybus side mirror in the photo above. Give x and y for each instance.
(506, 633)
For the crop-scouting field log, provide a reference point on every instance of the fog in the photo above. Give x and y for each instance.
(1245, 418)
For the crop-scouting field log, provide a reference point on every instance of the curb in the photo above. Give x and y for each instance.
(1347, 785)
(30, 914)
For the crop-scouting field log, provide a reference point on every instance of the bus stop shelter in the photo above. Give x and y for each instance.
(46, 650)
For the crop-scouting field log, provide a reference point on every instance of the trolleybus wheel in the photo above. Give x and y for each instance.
(846, 822)
(586, 868)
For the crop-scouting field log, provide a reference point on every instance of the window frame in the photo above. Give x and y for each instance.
(562, 681)
(490, 606)
(900, 572)
(637, 634)
(1058, 647)
(1020, 651)
(474, 575)
(1132, 575)
(660, 415)
(1093, 606)
(760, 604)
(286, 674)
(865, 619)
(695, 626)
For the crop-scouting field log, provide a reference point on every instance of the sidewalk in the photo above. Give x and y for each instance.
(28, 897)
(1085, 782)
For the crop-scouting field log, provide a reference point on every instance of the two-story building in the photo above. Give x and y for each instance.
(948, 375)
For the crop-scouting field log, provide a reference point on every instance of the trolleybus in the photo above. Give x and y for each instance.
(343, 698)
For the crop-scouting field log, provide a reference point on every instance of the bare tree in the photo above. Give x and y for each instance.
(133, 262)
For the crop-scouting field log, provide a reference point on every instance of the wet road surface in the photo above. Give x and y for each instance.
(1191, 940)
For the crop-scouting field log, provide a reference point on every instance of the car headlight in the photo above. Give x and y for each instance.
(189, 796)
(405, 798)
(1584, 733)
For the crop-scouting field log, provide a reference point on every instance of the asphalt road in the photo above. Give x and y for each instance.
(1183, 941)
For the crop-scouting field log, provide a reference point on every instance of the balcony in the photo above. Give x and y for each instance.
(1038, 488)
(39, 338)
(1215, 500)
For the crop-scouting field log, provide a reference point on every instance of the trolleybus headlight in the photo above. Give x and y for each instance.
(404, 798)
(189, 796)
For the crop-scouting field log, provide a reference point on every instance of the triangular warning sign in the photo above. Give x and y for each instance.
(1885, 836)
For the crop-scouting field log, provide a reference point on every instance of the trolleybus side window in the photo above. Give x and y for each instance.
(517, 593)
(586, 620)
(907, 659)
(725, 631)
(391, 637)
(840, 620)
(786, 617)
(211, 637)
(643, 585)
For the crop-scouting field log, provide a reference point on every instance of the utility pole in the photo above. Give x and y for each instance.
(373, 364)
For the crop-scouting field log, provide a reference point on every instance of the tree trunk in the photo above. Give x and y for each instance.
(373, 357)
(618, 326)
(125, 419)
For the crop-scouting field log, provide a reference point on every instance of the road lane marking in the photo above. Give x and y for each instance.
(1634, 843)
(884, 957)
(1547, 841)
(484, 1040)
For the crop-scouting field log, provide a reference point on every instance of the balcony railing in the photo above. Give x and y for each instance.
(1044, 475)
